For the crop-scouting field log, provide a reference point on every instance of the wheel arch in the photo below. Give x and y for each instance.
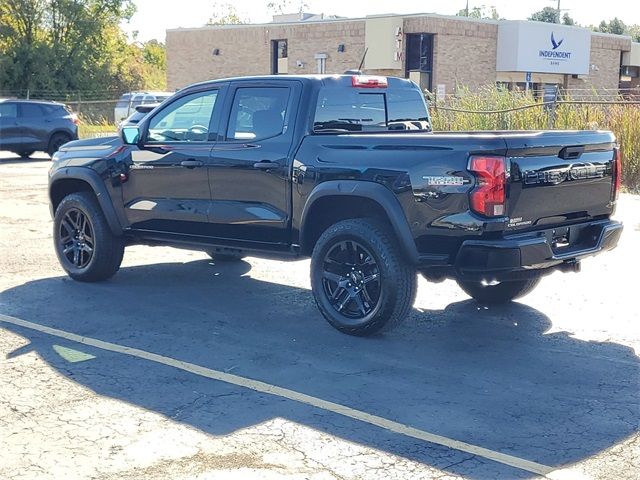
(327, 205)
(79, 179)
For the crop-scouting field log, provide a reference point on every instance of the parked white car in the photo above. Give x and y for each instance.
(129, 101)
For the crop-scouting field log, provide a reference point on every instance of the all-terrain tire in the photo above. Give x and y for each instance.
(502, 292)
(396, 277)
(107, 249)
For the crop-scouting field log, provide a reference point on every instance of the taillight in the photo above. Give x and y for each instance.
(617, 172)
(75, 119)
(488, 196)
(368, 81)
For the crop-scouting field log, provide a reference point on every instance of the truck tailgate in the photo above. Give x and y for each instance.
(559, 177)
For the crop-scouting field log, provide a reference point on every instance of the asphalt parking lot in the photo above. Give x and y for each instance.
(180, 368)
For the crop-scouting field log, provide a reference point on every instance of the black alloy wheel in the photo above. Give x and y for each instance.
(351, 279)
(76, 238)
(361, 281)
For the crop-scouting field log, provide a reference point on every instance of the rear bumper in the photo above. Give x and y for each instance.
(533, 251)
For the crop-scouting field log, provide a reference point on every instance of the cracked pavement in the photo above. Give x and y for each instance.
(553, 379)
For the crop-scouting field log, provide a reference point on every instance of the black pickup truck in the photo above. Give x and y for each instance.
(346, 170)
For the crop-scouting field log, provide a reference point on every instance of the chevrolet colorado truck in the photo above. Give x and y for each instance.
(346, 170)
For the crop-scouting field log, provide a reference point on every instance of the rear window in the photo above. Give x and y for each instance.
(357, 110)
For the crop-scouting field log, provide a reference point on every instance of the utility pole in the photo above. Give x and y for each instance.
(558, 14)
(466, 10)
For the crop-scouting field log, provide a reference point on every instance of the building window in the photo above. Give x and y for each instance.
(279, 57)
(321, 61)
(419, 59)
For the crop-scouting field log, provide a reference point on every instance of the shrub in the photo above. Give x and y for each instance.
(527, 113)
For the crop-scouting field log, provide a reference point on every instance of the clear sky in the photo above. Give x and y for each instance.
(155, 16)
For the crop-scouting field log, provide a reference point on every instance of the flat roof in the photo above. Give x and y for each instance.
(335, 20)
(485, 21)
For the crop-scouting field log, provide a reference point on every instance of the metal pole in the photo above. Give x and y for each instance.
(559, 12)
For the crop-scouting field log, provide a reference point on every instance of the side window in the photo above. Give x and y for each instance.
(185, 120)
(29, 110)
(258, 113)
(407, 110)
(137, 100)
(9, 110)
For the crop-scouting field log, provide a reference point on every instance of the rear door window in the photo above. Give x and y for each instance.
(258, 113)
(30, 110)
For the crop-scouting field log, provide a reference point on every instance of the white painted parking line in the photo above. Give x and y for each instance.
(263, 387)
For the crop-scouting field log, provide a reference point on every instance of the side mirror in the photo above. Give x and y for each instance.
(130, 135)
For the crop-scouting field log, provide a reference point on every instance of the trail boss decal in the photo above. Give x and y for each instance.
(442, 181)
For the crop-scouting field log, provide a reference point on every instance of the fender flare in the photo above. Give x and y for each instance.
(93, 179)
(372, 191)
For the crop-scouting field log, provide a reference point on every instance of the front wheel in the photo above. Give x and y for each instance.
(503, 292)
(360, 279)
(86, 248)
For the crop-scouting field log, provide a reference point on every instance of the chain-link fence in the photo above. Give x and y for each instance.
(104, 107)
(498, 110)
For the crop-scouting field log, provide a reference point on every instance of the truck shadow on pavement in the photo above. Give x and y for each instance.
(492, 378)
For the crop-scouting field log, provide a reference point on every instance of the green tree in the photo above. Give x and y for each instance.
(225, 14)
(567, 20)
(63, 45)
(281, 7)
(154, 58)
(482, 12)
(615, 26)
(547, 14)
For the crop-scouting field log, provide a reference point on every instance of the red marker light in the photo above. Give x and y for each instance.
(369, 81)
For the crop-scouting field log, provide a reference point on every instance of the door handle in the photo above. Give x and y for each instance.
(266, 165)
(191, 163)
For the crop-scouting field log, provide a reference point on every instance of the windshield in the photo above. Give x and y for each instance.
(354, 110)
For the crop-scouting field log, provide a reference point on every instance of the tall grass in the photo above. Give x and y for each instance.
(101, 128)
(622, 120)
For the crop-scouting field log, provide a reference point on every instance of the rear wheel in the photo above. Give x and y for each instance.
(86, 248)
(56, 142)
(25, 153)
(503, 292)
(361, 282)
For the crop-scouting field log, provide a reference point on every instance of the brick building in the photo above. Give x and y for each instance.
(440, 53)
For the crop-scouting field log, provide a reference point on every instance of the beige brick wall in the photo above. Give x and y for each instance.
(247, 50)
(464, 51)
(605, 56)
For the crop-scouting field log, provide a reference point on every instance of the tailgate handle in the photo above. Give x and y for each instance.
(571, 153)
